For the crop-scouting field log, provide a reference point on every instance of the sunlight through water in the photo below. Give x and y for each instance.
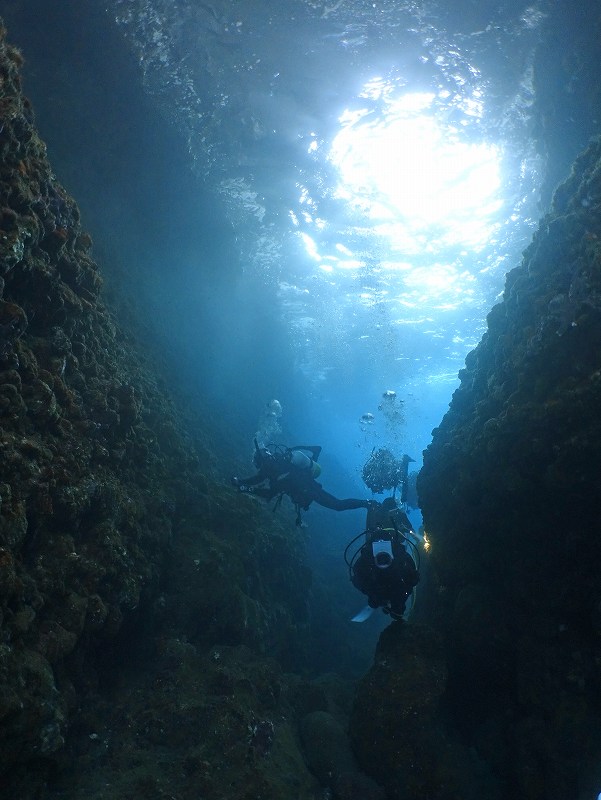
(422, 186)
(379, 187)
(407, 267)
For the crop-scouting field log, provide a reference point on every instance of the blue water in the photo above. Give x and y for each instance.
(310, 202)
(376, 167)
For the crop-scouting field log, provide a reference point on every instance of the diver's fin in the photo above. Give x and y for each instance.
(364, 614)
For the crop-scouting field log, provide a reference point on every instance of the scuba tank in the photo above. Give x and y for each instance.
(302, 469)
(301, 461)
(286, 457)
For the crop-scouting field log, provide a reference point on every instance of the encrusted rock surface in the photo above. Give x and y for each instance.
(114, 538)
(398, 724)
(510, 491)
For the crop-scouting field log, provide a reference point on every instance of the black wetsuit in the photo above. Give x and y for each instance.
(390, 586)
(302, 488)
(385, 587)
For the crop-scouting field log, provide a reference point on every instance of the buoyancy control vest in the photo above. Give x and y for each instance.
(277, 460)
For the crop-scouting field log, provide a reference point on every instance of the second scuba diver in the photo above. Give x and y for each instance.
(289, 470)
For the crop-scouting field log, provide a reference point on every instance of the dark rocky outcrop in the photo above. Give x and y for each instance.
(330, 758)
(398, 725)
(510, 491)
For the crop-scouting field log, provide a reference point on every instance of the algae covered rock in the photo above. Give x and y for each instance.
(330, 758)
(397, 725)
(97, 478)
(396, 702)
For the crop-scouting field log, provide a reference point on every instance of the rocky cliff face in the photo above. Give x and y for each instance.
(108, 512)
(510, 492)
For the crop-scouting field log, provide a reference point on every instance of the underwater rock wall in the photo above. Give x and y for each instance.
(510, 492)
(84, 472)
(108, 512)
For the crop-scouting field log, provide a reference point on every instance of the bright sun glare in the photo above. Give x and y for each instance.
(409, 174)
(424, 193)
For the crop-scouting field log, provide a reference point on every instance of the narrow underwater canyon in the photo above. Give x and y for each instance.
(157, 629)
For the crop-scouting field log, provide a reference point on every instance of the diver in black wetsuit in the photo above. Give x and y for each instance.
(382, 568)
(289, 470)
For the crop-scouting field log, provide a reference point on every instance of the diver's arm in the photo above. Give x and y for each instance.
(253, 480)
(327, 500)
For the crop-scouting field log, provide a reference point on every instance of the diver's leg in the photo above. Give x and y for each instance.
(328, 500)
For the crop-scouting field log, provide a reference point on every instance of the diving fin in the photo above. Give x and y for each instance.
(364, 614)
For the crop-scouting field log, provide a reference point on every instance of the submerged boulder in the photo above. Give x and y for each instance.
(329, 756)
(397, 729)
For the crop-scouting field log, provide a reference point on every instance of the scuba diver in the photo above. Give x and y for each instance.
(289, 470)
(382, 568)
